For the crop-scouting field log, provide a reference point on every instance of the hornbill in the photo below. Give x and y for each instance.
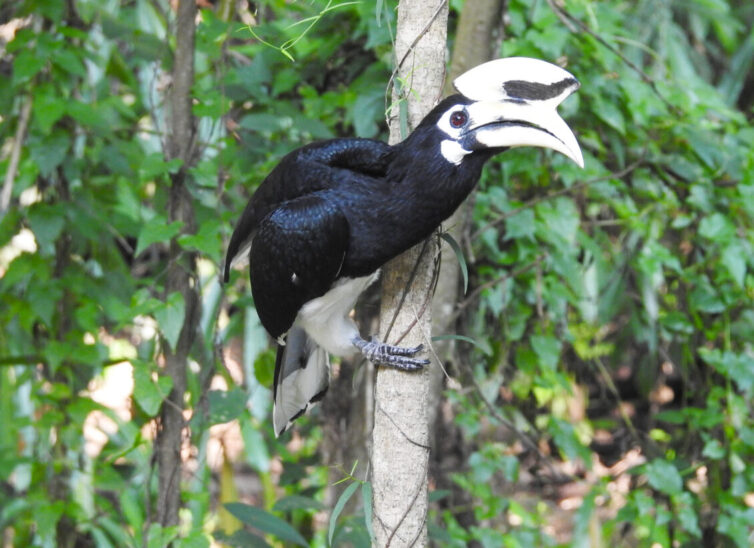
(330, 214)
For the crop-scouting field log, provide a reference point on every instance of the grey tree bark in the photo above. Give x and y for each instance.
(181, 266)
(400, 438)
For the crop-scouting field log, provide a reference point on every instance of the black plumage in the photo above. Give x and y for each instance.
(330, 214)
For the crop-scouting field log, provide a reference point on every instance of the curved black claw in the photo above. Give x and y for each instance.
(398, 357)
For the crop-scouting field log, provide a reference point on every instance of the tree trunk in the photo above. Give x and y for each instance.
(181, 267)
(400, 439)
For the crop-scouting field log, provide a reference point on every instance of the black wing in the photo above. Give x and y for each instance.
(296, 255)
(304, 171)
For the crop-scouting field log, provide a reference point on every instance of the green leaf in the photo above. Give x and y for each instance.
(714, 450)
(738, 367)
(296, 502)
(439, 494)
(159, 536)
(46, 517)
(148, 393)
(255, 447)
(207, 241)
(664, 476)
(564, 435)
(734, 259)
(241, 539)
(439, 535)
(26, 65)
(154, 165)
(264, 367)
(520, 225)
(224, 406)
(687, 517)
(342, 500)
(717, 227)
(737, 523)
(459, 256)
(366, 498)
(365, 112)
(49, 152)
(266, 522)
(69, 61)
(47, 223)
(547, 349)
(156, 230)
(608, 110)
(48, 108)
(170, 316)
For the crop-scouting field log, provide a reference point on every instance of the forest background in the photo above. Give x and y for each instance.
(598, 339)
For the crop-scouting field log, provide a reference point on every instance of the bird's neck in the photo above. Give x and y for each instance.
(429, 186)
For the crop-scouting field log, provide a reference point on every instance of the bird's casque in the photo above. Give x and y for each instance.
(330, 214)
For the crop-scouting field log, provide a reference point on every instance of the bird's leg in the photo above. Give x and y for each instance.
(387, 355)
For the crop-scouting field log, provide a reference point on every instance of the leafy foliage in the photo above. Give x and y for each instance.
(610, 309)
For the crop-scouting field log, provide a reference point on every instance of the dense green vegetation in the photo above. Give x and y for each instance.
(607, 395)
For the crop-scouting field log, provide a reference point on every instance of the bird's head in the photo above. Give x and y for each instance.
(506, 103)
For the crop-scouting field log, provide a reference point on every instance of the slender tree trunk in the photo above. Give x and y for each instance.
(181, 267)
(400, 439)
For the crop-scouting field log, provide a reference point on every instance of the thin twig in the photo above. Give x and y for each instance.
(15, 156)
(569, 20)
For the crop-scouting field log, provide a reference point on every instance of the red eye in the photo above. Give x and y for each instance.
(458, 119)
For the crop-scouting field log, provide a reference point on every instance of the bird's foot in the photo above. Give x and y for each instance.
(387, 355)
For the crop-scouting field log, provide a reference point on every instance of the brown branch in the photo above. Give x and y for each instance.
(181, 269)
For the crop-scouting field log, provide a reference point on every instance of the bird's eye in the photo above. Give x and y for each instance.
(458, 119)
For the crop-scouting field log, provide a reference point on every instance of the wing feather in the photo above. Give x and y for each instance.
(295, 257)
(304, 171)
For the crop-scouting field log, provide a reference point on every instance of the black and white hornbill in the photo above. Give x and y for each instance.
(330, 214)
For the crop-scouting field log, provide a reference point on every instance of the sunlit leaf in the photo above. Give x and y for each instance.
(148, 392)
(170, 317)
(338, 508)
(664, 476)
(156, 230)
(226, 405)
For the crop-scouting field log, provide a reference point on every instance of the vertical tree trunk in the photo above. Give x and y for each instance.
(400, 439)
(181, 267)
